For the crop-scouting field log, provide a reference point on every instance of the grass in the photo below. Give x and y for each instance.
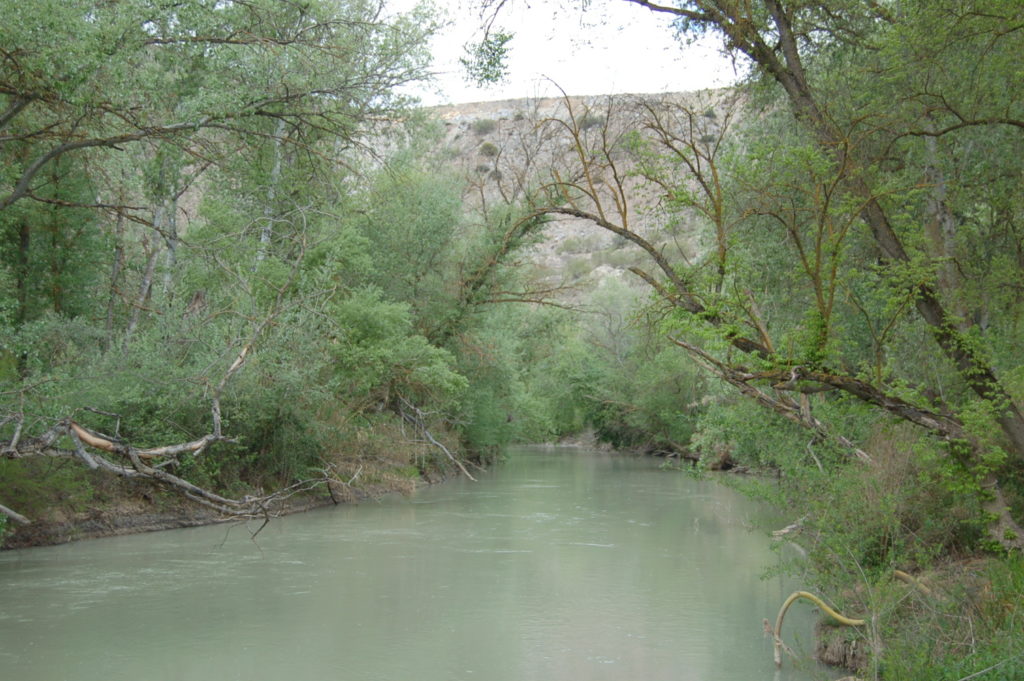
(970, 626)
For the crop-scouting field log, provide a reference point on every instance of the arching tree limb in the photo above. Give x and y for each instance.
(777, 644)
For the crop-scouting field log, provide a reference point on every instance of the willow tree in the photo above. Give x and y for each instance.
(880, 172)
(114, 114)
(877, 92)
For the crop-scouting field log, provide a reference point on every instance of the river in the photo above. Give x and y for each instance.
(562, 564)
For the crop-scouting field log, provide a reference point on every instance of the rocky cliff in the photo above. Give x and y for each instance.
(510, 148)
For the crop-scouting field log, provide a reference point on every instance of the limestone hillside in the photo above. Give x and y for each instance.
(508, 147)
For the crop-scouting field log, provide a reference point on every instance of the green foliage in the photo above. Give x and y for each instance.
(380, 351)
(409, 219)
(52, 255)
(500, 406)
(276, 261)
(484, 126)
(248, 222)
(485, 61)
(33, 486)
(606, 374)
(972, 628)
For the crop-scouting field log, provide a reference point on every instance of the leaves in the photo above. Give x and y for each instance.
(485, 61)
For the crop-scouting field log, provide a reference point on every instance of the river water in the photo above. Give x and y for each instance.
(560, 565)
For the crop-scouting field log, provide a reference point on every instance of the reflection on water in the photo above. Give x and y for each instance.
(562, 564)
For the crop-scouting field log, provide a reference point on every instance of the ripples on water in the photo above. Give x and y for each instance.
(560, 565)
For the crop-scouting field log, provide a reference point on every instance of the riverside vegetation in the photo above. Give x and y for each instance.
(239, 266)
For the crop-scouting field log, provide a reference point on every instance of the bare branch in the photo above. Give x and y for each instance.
(13, 109)
(416, 418)
(14, 515)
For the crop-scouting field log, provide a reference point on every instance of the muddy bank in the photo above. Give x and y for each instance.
(61, 527)
(129, 516)
(131, 507)
(840, 647)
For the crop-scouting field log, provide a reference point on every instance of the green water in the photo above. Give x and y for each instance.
(560, 565)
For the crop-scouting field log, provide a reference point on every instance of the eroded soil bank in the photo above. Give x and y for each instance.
(119, 507)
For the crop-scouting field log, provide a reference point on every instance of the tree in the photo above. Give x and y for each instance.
(115, 120)
(866, 203)
(203, 72)
(858, 139)
(775, 38)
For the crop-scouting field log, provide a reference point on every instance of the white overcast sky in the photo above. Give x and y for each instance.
(614, 48)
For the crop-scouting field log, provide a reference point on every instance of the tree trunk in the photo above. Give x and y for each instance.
(168, 227)
(940, 229)
(145, 286)
(115, 274)
(974, 370)
(776, 50)
(267, 231)
(22, 270)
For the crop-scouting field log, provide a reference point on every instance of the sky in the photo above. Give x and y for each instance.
(613, 48)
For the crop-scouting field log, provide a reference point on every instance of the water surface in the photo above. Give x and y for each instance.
(560, 565)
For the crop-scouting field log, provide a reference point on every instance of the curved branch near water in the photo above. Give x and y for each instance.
(825, 608)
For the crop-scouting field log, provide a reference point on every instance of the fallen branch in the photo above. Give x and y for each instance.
(14, 515)
(114, 455)
(139, 466)
(416, 419)
(789, 529)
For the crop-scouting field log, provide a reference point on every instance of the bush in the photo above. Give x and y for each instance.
(31, 486)
(968, 625)
(485, 126)
(579, 244)
(590, 120)
(488, 149)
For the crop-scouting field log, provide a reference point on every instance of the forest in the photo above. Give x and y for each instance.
(240, 269)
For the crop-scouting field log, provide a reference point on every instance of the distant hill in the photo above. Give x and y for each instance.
(503, 145)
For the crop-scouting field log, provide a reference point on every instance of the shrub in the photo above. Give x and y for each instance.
(485, 126)
(590, 120)
(579, 244)
(577, 267)
(969, 625)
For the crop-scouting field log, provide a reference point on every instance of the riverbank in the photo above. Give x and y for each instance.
(129, 516)
(960, 614)
(104, 507)
(94, 506)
